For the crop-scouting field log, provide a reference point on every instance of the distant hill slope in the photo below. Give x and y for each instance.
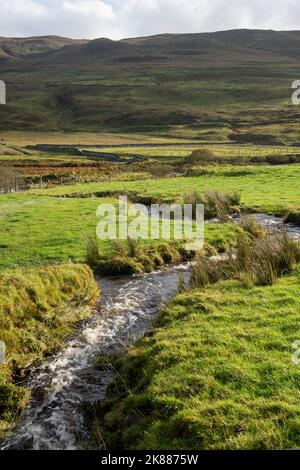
(16, 47)
(230, 46)
(209, 86)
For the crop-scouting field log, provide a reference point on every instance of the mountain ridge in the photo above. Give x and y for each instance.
(253, 38)
(219, 79)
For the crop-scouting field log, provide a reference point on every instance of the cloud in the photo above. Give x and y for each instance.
(155, 16)
(74, 18)
(124, 18)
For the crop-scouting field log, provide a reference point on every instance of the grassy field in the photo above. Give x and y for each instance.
(270, 189)
(225, 150)
(43, 230)
(26, 137)
(44, 227)
(227, 379)
(169, 156)
(216, 374)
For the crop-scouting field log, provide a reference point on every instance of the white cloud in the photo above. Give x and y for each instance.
(124, 18)
(76, 18)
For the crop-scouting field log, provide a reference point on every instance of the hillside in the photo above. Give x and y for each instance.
(19, 47)
(210, 86)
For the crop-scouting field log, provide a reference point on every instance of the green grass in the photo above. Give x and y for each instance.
(26, 137)
(219, 150)
(38, 308)
(270, 189)
(215, 374)
(44, 230)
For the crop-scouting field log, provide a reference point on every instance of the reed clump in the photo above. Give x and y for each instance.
(259, 259)
(216, 203)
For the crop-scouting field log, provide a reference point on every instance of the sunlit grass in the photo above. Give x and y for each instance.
(216, 373)
(272, 189)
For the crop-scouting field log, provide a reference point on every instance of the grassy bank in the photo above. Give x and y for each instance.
(38, 308)
(215, 374)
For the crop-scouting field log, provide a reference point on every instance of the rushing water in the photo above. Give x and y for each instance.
(276, 224)
(53, 419)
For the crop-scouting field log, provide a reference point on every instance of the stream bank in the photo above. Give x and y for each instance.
(129, 305)
(59, 386)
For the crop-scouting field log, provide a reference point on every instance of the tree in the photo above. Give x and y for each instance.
(9, 181)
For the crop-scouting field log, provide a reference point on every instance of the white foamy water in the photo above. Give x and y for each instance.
(276, 224)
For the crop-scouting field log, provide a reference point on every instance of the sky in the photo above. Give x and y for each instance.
(117, 19)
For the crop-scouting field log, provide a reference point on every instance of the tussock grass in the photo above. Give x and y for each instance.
(92, 250)
(258, 259)
(216, 203)
(132, 257)
(221, 205)
(252, 228)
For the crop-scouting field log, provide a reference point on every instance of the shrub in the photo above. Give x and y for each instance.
(9, 179)
(200, 156)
